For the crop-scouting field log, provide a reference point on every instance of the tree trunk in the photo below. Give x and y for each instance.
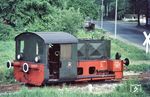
(147, 12)
(139, 19)
(108, 10)
(137, 11)
(105, 10)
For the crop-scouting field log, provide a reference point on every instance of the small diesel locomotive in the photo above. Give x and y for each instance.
(52, 57)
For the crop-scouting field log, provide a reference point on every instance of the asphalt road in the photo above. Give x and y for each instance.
(126, 30)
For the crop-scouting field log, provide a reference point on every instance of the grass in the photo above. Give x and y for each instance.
(127, 50)
(139, 67)
(7, 52)
(125, 90)
(120, 91)
(95, 34)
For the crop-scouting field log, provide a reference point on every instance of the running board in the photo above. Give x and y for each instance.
(95, 76)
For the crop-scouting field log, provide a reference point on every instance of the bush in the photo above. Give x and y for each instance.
(94, 34)
(7, 52)
(60, 20)
(6, 32)
(45, 15)
(6, 76)
(89, 8)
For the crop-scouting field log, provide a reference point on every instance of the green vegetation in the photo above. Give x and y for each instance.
(124, 90)
(44, 15)
(138, 7)
(140, 67)
(127, 50)
(7, 51)
(121, 91)
(6, 32)
(17, 16)
(95, 34)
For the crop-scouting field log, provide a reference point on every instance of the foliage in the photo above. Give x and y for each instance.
(95, 34)
(140, 67)
(87, 7)
(7, 51)
(45, 15)
(51, 18)
(139, 7)
(6, 32)
(60, 20)
(6, 76)
(110, 6)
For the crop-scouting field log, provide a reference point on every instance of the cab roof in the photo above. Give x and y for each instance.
(51, 37)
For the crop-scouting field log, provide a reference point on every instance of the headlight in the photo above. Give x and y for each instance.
(37, 59)
(19, 56)
(9, 64)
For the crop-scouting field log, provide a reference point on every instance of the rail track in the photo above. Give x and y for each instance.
(11, 88)
(6, 88)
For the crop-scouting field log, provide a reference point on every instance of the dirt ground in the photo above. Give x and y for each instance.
(109, 86)
(95, 87)
(9, 87)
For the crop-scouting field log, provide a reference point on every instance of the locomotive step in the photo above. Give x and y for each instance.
(53, 80)
(95, 76)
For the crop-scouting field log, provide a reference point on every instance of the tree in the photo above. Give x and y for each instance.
(109, 6)
(142, 8)
(88, 8)
(106, 7)
(8, 10)
(147, 12)
(39, 15)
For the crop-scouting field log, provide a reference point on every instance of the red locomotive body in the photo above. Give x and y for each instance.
(48, 57)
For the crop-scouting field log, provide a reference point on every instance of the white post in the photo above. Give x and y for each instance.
(102, 14)
(116, 18)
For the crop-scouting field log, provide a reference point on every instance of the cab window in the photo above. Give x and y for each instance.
(40, 48)
(66, 51)
(21, 46)
(37, 49)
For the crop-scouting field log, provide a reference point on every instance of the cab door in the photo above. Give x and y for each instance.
(54, 61)
(68, 56)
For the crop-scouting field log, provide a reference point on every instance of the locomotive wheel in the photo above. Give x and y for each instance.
(25, 67)
(9, 64)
